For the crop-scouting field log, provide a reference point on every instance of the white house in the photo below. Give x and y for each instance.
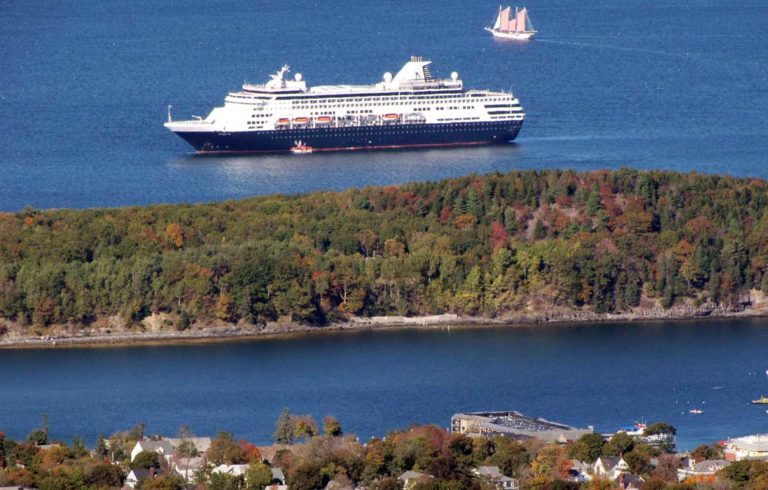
(167, 446)
(162, 447)
(609, 468)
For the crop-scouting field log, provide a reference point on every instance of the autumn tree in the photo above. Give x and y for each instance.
(224, 450)
(258, 476)
(587, 448)
(145, 460)
(305, 427)
(332, 426)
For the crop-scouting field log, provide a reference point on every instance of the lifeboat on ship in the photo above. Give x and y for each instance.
(323, 120)
(415, 117)
(300, 120)
(283, 121)
(390, 118)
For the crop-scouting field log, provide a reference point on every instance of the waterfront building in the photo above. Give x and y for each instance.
(516, 425)
(747, 447)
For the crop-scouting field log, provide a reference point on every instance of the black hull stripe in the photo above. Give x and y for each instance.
(354, 138)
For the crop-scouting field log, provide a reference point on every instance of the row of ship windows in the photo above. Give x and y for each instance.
(442, 127)
(382, 101)
(445, 98)
(460, 119)
(402, 131)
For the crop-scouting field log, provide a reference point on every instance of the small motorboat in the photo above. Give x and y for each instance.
(763, 400)
(696, 410)
(300, 148)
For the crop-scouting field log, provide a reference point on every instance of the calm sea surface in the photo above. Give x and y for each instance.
(603, 375)
(85, 84)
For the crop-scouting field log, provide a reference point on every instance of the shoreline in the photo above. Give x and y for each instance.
(233, 333)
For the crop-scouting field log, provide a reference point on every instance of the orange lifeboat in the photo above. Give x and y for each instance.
(283, 120)
(300, 120)
(391, 117)
(323, 120)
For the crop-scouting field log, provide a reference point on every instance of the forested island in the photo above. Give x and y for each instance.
(533, 245)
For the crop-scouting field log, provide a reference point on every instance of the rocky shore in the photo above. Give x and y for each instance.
(157, 329)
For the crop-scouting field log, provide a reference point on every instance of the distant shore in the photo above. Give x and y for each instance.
(239, 333)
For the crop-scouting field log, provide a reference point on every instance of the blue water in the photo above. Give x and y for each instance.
(84, 87)
(603, 375)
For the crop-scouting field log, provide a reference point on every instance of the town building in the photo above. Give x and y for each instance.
(187, 468)
(579, 471)
(135, 477)
(411, 478)
(163, 447)
(610, 468)
(516, 425)
(493, 476)
(230, 469)
(703, 472)
(167, 446)
(747, 447)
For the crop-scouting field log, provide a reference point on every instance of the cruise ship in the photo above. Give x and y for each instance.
(409, 109)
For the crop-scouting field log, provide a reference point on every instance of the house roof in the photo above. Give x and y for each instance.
(334, 485)
(413, 475)
(143, 473)
(192, 464)
(608, 462)
(277, 474)
(710, 465)
(492, 471)
(202, 444)
(156, 446)
(628, 479)
(231, 469)
(580, 465)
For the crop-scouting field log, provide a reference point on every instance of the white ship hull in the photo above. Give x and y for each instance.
(517, 36)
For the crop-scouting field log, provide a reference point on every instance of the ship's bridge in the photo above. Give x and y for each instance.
(413, 76)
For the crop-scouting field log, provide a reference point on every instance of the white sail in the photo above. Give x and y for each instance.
(498, 20)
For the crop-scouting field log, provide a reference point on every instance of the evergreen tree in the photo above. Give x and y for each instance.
(285, 428)
(101, 446)
(2, 450)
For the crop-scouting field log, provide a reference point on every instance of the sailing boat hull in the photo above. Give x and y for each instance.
(517, 36)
